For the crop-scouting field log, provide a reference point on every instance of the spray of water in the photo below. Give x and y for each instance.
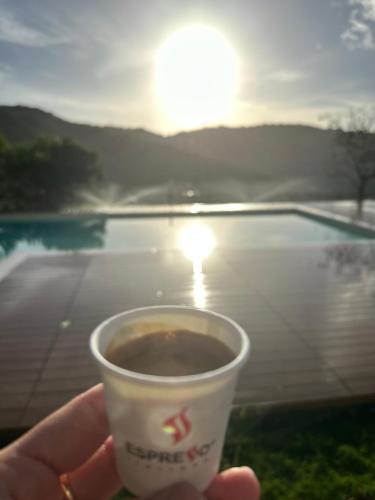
(221, 191)
(158, 193)
(104, 197)
(296, 186)
(112, 196)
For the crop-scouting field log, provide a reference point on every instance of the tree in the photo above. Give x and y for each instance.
(44, 175)
(3, 150)
(354, 134)
(3, 144)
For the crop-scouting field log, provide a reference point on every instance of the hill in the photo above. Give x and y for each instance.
(130, 158)
(263, 163)
(293, 161)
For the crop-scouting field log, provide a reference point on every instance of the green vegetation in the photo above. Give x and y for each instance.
(44, 175)
(305, 455)
(300, 455)
(312, 455)
(260, 163)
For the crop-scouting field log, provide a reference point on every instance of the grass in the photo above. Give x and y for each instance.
(301, 455)
(310, 455)
(305, 455)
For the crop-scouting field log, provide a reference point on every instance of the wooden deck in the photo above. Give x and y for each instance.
(309, 312)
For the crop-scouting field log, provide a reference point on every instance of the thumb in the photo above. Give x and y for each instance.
(181, 491)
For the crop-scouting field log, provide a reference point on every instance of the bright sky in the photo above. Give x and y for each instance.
(97, 61)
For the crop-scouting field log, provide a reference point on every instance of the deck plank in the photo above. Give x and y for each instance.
(311, 325)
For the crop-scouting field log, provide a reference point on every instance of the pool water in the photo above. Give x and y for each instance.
(142, 233)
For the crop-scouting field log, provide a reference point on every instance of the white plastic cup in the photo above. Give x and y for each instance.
(168, 429)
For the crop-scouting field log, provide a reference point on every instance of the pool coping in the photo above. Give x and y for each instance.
(198, 209)
(160, 211)
(10, 263)
(330, 216)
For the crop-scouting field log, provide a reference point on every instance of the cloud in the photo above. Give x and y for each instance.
(5, 72)
(122, 59)
(15, 32)
(359, 34)
(287, 76)
(368, 8)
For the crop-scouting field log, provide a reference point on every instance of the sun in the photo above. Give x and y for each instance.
(197, 73)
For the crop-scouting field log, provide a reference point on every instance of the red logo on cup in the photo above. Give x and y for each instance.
(177, 426)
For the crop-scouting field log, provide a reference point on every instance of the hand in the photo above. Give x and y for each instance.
(75, 439)
(232, 484)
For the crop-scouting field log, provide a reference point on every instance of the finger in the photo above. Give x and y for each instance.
(68, 437)
(239, 483)
(182, 491)
(97, 478)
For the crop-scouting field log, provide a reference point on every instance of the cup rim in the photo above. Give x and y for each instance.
(237, 362)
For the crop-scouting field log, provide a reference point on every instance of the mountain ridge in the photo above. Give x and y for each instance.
(268, 162)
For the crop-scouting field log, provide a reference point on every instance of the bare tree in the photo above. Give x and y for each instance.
(354, 135)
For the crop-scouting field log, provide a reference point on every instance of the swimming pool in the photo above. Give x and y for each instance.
(162, 232)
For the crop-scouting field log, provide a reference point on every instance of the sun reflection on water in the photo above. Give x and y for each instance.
(197, 242)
